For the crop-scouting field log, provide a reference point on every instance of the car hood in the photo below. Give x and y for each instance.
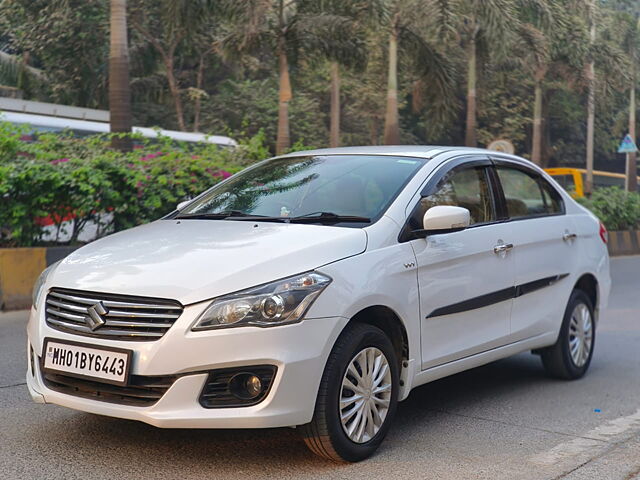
(194, 260)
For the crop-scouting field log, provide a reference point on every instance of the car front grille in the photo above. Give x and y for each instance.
(141, 391)
(121, 317)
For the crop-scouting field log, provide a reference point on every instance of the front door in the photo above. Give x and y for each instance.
(465, 278)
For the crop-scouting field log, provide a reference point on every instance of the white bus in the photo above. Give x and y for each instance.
(49, 117)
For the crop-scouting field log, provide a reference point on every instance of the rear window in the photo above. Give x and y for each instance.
(527, 194)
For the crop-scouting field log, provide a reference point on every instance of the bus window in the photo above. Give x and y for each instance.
(566, 181)
(611, 180)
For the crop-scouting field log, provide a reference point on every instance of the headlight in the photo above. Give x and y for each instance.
(276, 303)
(37, 288)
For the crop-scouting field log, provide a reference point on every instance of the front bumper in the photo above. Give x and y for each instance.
(299, 352)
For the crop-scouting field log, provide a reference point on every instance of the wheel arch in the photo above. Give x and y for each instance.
(387, 320)
(588, 283)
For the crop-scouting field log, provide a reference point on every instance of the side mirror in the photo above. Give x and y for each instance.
(181, 205)
(443, 219)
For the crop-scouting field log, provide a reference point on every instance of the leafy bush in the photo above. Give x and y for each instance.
(60, 178)
(616, 208)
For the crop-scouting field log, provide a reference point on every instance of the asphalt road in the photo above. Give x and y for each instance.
(505, 420)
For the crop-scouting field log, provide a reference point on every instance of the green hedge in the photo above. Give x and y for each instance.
(61, 177)
(616, 208)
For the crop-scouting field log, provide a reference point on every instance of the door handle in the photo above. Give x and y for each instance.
(569, 236)
(502, 247)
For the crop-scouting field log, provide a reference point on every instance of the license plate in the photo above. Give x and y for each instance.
(101, 364)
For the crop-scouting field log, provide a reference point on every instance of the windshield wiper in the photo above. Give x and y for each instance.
(216, 215)
(314, 217)
(328, 217)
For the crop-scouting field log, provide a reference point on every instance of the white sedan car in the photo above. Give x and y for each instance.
(317, 289)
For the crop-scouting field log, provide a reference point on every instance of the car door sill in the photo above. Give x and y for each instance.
(477, 359)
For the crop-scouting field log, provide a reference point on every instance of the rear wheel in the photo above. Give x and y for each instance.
(571, 355)
(357, 397)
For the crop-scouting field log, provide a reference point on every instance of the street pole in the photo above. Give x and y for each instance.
(591, 102)
(631, 181)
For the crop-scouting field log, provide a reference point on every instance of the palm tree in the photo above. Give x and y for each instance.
(340, 31)
(591, 98)
(119, 88)
(612, 74)
(632, 46)
(539, 45)
(486, 30)
(408, 24)
(553, 46)
(288, 29)
(254, 24)
(168, 25)
(541, 55)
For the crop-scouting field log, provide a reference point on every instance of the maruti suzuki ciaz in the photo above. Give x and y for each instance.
(316, 289)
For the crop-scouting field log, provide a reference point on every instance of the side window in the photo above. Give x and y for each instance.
(527, 195)
(468, 188)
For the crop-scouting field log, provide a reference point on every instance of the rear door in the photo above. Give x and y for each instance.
(544, 252)
(465, 278)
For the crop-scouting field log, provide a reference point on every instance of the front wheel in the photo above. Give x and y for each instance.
(357, 396)
(571, 355)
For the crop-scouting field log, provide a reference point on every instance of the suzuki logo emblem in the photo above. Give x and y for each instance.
(96, 312)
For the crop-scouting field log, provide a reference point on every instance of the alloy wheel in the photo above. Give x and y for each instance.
(580, 334)
(365, 395)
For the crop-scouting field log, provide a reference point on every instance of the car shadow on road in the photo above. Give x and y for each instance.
(282, 448)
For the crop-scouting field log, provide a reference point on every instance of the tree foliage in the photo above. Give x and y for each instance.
(215, 66)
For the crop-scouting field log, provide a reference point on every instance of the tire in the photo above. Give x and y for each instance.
(558, 360)
(325, 435)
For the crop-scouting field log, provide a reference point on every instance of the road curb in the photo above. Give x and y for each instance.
(624, 242)
(19, 269)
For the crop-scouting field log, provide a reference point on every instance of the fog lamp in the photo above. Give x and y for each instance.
(245, 386)
(253, 385)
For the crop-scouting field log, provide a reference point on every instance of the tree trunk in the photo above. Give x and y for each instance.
(334, 128)
(175, 90)
(283, 140)
(391, 120)
(546, 149)
(198, 102)
(119, 88)
(373, 130)
(632, 169)
(591, 114)
(536, 148)
(470, 134)
(591, 104)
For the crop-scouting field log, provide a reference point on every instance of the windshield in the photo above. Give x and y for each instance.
(342, 185)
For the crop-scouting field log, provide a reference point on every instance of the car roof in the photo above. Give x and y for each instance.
(419, 151)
